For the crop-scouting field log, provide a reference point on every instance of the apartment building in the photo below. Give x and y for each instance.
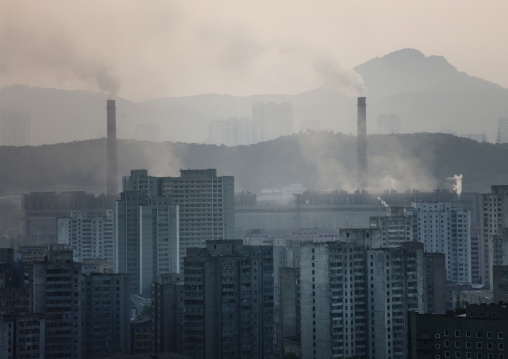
(228, 300)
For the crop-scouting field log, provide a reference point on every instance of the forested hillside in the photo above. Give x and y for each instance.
(320, 161)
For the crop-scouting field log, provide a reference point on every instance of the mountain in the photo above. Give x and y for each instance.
(318, 160)
(426, 92)
(431, 95)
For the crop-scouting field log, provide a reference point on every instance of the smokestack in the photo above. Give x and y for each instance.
(112, 187)
(361, 140)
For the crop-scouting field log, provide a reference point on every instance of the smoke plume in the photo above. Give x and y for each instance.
(336, 77)
(457, 186)
(38, 49)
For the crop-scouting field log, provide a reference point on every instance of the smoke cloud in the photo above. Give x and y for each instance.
(41, 49)
(336, 77)
(390, 165)
(457, 186)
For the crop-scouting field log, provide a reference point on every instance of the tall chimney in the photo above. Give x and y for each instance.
(112, 183)
(361, 140)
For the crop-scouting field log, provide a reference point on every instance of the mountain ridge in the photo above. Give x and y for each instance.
(427, 92)
(318, 160)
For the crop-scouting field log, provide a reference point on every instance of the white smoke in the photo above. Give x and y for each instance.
(457, 186)
(334, 76)
(383, 202)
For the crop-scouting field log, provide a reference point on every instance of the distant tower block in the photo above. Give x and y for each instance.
(361, 140)
(112, 183)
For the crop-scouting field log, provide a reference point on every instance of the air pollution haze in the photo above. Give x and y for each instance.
(32, 47)
(158, 49)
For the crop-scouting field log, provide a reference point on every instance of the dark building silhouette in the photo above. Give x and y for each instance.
(167, 313)
(479, 331)
(105, 308)
(228, 301)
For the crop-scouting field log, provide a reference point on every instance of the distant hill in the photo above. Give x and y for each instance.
(428, 93)
(320, 161)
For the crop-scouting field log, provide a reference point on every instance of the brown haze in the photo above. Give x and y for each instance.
(175, 48)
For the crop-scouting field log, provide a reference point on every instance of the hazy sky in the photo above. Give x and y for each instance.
(149, 49)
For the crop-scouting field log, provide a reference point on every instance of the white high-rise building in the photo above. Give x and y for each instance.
(271, 120)
(231, 132)
(444, 229)
(89, 234)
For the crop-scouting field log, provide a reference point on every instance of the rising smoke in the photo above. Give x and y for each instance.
(457, 185)
(336, 77)
(36, 49)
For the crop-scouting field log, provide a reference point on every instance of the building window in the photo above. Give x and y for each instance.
(500, 335)
(478, 334)
(478, 345)
(500, 346)
(457, 333)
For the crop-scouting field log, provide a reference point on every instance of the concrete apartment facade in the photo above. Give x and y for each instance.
(444, 229)
(205, 201)
(228, 300)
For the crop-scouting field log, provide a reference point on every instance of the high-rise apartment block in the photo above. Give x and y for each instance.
(231, 132)
(146, 238)
(22, 336)
(354, 297)
(444, 229)
(479, 332)
(89, 235)
(56, 286)
(394, 229)
(228, 301)
(494, 224)
(167, 313)
(271, 120)
(205, 201)
(105, 312)
(41, 210)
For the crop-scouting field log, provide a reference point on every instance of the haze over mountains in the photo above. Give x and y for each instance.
(320, 161)
(428, 94)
